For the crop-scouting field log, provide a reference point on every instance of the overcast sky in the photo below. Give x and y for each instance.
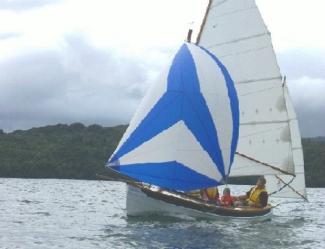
(91, 61)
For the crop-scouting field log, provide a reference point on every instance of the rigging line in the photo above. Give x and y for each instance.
(251, 174)
(285, 185)
(276, 205)
(247, 165)
(132, 182)
(295, 191)
(265, 164)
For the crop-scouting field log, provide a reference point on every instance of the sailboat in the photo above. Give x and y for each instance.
(221, 109)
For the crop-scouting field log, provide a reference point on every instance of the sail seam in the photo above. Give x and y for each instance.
(233, 12)
(244, 52)
(265, 122)
(220, 3)
(260, 91)
(239, 40)
(258, 80)
(261, 132)
(265, 164)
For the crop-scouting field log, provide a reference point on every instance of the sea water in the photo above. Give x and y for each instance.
(51, 213)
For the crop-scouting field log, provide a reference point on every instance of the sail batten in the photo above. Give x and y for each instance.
(239, 40)
(259, 80)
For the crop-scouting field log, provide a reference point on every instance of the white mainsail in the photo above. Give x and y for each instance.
(269, 138)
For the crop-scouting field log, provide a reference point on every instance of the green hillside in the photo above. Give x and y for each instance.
(79, 152)
(314, 155)
(59, 151)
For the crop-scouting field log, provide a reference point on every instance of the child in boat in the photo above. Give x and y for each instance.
(211, 195)
(227, 200)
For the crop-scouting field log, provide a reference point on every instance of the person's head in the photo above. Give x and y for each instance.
(261, 181)
(226, 191)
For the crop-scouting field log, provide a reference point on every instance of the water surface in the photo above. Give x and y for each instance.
(51, 213)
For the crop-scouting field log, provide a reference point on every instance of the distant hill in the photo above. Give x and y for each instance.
(316, 139)
(314, 156)
(79, 152)
(58, 151)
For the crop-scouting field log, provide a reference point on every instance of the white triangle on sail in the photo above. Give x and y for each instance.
(177, 143)
(152, 96)
(214, 93)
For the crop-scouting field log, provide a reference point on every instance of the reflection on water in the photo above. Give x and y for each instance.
(91, 214)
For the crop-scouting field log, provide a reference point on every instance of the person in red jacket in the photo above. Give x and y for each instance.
(227, 200)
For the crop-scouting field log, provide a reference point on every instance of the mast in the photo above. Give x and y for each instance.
(203, 22)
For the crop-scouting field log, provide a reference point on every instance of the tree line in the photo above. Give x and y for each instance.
(80, 152)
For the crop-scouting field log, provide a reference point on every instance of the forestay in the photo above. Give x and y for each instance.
(184, 133)
(269, 142)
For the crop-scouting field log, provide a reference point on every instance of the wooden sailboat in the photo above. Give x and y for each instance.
(220, 109)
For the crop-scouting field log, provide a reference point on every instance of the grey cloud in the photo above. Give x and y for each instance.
(25, 4)
(308, 98)
(79, 83)
(9, 35)
(299, 63)
(311, 120)
(305, 70)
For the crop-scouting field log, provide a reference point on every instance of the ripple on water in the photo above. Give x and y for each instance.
(80, 214)
(30, 202)
(41, 213)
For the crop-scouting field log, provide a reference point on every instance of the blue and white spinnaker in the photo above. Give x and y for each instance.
(185, 132)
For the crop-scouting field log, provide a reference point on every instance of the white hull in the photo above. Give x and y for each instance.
(139, 204)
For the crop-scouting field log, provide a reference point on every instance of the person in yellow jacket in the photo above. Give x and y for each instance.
(257, 196)
(210, 195)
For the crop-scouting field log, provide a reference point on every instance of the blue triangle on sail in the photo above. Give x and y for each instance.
(182, 101)
(169, 175)
(234, 105)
